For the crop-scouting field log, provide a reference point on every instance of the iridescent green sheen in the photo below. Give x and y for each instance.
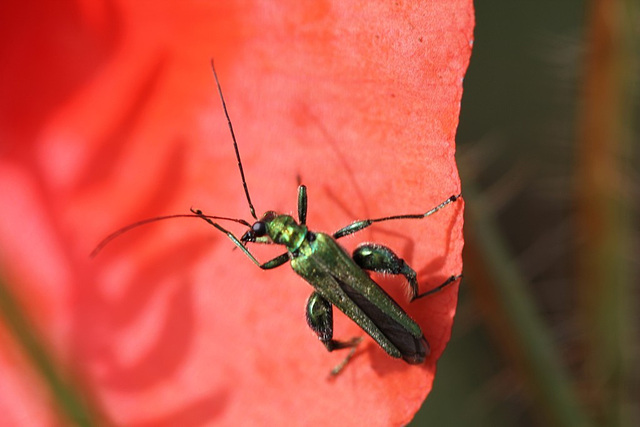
(342, 281)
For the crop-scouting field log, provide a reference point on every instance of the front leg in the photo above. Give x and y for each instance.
(319, 316)
(276, 262)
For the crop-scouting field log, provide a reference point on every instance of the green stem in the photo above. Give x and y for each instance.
(68, 400)
(605, 216)
(513, 317)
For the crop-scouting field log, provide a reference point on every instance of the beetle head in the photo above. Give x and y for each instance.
(259, 228)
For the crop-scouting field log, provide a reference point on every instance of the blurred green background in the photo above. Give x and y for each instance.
(547, 326)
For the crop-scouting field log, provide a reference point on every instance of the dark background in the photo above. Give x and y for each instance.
(546, 331)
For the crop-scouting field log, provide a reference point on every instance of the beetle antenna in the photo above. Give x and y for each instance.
(235, 144)
(129, 227)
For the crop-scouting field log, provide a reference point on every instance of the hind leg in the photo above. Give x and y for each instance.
(378, 258)
(319, 315)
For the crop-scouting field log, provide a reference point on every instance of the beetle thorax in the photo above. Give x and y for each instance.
(284, 230)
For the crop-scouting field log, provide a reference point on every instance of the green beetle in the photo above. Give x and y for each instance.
(339, 279)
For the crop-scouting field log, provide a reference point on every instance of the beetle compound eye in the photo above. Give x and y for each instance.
(259, 229)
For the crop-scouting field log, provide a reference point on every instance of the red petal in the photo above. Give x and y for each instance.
(112, 116)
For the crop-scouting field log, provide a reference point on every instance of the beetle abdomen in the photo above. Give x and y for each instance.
(414, 349)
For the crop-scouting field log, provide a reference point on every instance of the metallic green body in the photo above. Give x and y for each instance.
(323, 263)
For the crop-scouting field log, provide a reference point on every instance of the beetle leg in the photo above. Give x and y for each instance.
(319, 315)
(276, 262)
(362, 224)
(381, 259)
(302, 204)
(320, 320)
(378, 258)
(440, 287)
